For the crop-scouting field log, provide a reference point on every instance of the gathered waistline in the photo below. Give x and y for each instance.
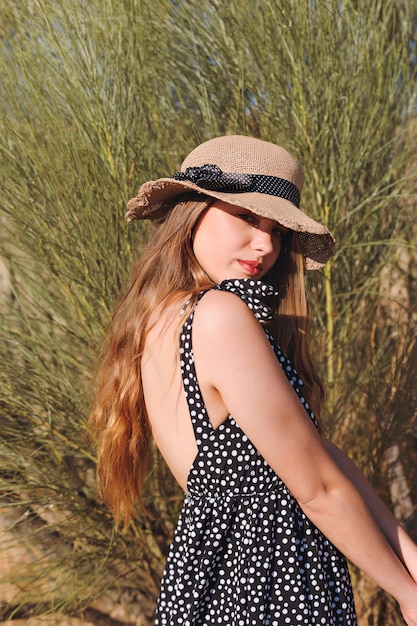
(231, 496)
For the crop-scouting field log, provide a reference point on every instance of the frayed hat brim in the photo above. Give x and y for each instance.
(156, 198)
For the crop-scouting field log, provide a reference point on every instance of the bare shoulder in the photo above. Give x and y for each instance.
(225, 328)
(222, 311)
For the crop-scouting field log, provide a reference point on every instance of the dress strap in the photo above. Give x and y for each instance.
(199, 417)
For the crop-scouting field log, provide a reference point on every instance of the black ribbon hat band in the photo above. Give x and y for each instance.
(212, 178)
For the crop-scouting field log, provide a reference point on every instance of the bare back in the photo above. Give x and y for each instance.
(164, 395)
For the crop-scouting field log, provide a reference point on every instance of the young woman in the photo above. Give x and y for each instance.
(208, 353)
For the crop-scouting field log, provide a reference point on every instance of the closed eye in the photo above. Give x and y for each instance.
(246, 217)
(250, 218)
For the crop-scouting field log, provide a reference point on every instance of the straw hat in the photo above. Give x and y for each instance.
(247, 172)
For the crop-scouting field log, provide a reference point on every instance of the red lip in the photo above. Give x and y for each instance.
(251, 267)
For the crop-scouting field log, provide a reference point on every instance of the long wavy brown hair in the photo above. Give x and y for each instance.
(165, 272)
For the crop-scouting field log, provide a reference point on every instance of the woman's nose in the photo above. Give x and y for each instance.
(263, 240)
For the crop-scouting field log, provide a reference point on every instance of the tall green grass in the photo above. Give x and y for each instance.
(97, 97)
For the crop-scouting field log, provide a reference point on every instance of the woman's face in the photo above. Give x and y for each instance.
(232, 242)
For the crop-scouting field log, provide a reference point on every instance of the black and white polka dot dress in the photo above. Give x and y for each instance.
(244, 553)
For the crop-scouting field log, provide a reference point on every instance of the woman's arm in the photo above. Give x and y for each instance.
(401, 543)
(233, 357)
